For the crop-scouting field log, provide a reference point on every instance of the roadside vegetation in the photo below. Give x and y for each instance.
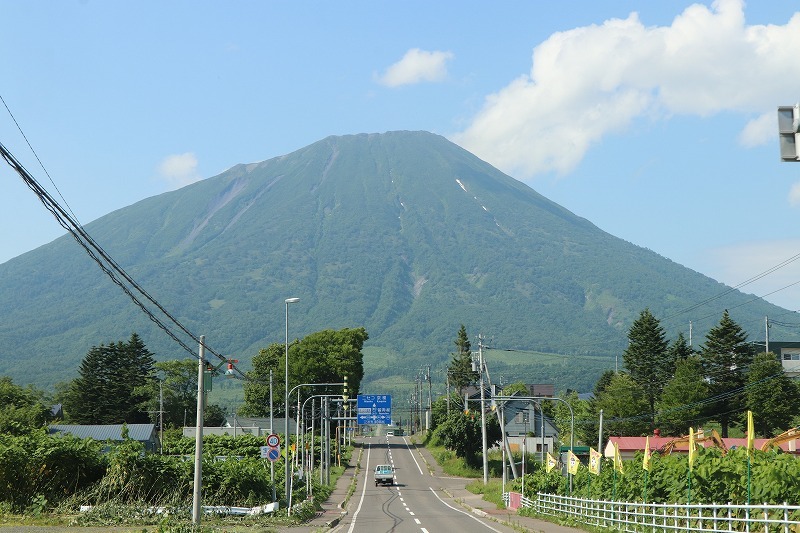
(664, 385)
(60, 479)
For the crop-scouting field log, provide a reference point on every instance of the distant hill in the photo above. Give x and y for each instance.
(403, 233)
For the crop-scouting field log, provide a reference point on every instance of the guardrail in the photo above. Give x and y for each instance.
(662, 517)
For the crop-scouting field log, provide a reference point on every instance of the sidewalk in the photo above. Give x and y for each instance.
(333, 510)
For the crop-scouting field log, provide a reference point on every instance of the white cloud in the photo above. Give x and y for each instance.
(417, 66)
(179, 170)
(794, 195)
(588, 82)
(735, 264)
(759, 131)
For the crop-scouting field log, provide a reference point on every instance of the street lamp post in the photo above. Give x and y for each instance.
(287, 472)
(297, 431)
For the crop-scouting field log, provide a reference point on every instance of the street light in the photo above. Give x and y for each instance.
(287, 473)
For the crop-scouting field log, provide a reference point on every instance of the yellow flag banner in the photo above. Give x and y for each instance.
(751, 433)
(646, 460)
(573, 463)
(617, 459)
(594, 461)
(691, 448)
(551, 462)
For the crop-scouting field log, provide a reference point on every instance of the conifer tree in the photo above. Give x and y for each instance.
(726, 357)
(646, 357)
(110, 386)
(772, 396)
(460, 369)
(678, 407)
(679, 349)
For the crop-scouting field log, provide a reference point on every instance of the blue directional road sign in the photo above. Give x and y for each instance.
(374, 409)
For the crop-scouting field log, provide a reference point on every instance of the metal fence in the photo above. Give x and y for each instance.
(661, 517)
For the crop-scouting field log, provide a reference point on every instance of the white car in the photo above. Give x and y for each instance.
(390, 433)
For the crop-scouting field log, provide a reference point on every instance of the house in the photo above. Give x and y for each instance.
(628, 446)
(259, 427)
(789, 355)
(526, 428)
(144, 433)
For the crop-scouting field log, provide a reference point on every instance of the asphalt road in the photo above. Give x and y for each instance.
(417, 502)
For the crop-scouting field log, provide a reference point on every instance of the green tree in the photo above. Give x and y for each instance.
(772, 396)
(328, 356)
(518, 388)
(322, 357)
(110, 386)
(462, 434)
(625, 407)
(22, 409)
(460, 370)
(256, 387)
(678, 407)
(679, 349)
(213, 415)
(562, 418)
(647, 358)
(726, 355)
(177, 379)
(603, 382)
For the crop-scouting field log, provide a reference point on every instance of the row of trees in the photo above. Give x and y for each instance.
(671, 386)
(664, 385)
(123, 383)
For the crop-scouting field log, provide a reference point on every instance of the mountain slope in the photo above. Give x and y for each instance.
(403, 233)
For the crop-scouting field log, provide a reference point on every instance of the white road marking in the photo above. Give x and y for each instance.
(464, 512)
(412, 456)
(363, 492)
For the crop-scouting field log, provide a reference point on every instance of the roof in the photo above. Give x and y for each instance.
(140, 432)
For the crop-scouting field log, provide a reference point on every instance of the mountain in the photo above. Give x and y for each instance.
(403, 233)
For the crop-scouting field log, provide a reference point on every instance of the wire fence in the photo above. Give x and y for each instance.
(661, 517)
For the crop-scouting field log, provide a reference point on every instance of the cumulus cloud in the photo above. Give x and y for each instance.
(759, 131)
(178, 170)
(591, 81)
(794, 195)
(417, 66)
(734, 265)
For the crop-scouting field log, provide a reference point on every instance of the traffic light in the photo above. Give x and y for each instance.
(789, 131)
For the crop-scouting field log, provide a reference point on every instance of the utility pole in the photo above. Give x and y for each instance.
(198, 438)
(483, 415)
(430, 399)
(161, 415)
(271, 431)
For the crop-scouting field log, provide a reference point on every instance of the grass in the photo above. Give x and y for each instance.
(492, 492)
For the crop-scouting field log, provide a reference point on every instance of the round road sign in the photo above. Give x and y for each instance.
(273, 440)
(273, 454)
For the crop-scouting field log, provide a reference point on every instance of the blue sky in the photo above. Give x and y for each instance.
(656, 121)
